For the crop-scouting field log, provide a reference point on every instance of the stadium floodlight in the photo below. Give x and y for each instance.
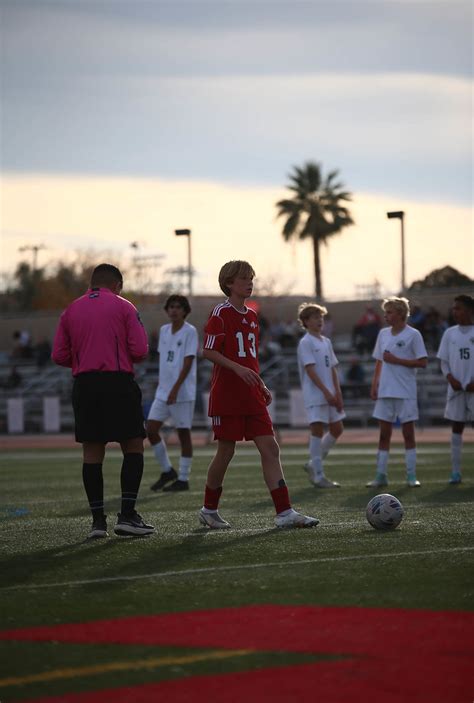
(400, 215)
(187, 233)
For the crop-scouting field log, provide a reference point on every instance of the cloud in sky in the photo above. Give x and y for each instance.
(239, 91)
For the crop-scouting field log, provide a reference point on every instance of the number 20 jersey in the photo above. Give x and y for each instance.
(235, 335)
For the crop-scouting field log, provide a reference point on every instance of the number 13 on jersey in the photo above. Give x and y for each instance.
(251, 344)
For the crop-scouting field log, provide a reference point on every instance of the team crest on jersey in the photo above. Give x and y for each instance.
(179, 343)
(400, 344)
(253, 324)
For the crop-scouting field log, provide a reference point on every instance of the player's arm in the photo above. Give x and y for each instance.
(420, 363)
(453, 382)
(137, 339)
(374, 389)
(187, 365)
(337, 386)
(62, 352)
(311, 371)
(248, 375)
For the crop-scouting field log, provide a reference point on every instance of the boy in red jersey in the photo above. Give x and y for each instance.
(239, 398)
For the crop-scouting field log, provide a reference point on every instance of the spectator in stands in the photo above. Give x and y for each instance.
(355, 379)
(42, 352)
(100, 336)
(365, 331)
(417, 319)
(433, 328)
(22, 348)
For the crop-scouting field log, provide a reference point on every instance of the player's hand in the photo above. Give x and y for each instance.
(267, 396)
(339, 403)
(172, 397)
(390, 358)
(455, 385)
(470, 387)
(374, 392)
(250, 377)
(330, 399)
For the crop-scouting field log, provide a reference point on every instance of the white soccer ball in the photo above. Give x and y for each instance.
(384, 512)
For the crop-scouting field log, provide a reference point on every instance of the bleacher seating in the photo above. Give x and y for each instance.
(280, 374)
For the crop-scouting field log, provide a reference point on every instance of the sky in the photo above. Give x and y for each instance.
(123, 120)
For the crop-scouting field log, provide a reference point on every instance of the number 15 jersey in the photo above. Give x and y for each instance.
(457, 350)
(235, 335)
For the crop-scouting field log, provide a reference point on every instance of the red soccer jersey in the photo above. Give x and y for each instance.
(235, 335)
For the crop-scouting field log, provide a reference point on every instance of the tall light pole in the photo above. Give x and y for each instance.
(400, 215)
(35, 249)
(187, 233)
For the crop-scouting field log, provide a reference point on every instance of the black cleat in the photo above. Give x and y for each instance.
(165, 478)
(132, 524)
(176, 486)
(99, 528)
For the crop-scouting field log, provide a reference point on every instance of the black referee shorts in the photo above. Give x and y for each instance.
(107, 407)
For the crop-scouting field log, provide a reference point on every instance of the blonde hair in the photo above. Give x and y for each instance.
(305, 311)
(232, 270)
(401, 305)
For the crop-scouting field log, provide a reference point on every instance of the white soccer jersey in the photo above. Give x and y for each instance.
(317, 351)
(457, 350)
(398, 381)
(173, 348)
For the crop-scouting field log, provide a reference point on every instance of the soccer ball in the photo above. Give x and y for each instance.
(384, 512)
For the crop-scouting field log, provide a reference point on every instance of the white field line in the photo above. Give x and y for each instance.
(241, 567)
(33, 455)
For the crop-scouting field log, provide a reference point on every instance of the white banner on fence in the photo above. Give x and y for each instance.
(15, 415)
(51, 414)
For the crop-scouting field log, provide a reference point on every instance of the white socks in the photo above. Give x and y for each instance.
(410, 460)
(315, 451)
(382, 461)
(162, 457)
(328, 441)
(456, 447)
(184, 468)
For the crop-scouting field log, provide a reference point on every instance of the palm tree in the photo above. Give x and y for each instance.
(315, 210)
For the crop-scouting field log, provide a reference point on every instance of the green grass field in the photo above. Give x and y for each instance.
(50, 575)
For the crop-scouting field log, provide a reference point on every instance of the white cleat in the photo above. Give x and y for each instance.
(213, 520)
(325, 482)
(294, 519)
(412, 481)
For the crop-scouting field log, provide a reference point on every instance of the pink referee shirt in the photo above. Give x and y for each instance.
(100, 331)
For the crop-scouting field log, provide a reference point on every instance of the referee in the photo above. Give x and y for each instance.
(100, 336)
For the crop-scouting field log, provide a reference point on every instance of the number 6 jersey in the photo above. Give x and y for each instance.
(457, 350)
(235, 335)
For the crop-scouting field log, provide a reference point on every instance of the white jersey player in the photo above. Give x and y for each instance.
(399, 352)
(176, 393)
(456, 352)
(322, 396)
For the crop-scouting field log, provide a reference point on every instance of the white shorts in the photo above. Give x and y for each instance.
(323, 413)
(180, 413)
(389, 409)
(460, 408)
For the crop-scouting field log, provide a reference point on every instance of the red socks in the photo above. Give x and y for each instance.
(281, 498)
(211, 497)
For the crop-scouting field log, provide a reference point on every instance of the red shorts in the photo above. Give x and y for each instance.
(233, 428)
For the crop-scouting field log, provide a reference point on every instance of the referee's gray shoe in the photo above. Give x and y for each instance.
(132, 524)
